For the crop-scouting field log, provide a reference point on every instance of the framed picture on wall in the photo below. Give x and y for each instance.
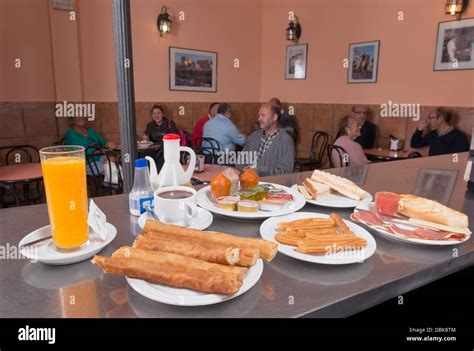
(363, 62)
(455, 45)
(193, 70)
(296, 59)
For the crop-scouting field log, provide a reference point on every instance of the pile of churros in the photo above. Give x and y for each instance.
(319, 235)
(210, 262)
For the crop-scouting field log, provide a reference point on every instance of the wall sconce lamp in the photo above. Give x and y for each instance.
(293, 32)
(455, 7)
(163, 22)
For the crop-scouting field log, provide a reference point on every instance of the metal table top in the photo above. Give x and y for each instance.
(287, 288)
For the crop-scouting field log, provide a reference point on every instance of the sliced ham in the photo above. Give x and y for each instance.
(368, 218)
(425, 234)
(406, 233)
(429, 234)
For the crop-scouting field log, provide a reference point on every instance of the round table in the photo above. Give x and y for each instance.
(210, 171)
(386, 155)
(21, 173)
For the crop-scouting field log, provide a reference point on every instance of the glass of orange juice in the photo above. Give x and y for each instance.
(64, 175)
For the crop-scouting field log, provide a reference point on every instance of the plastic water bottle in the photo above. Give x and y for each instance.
(141, 192)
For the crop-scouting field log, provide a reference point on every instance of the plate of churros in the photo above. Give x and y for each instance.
(189, 267)
(319, 238)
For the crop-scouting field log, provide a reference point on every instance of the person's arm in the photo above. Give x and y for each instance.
(151, 132)
(418, 140)
(357, 156)
(101, 141)
(172, 127)
(236, 136)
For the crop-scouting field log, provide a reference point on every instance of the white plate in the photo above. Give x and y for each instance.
(186, 297)
(337, 200)
(392, 236)
(46, 253)
(203, 219)
(268, 231)
(203, 198)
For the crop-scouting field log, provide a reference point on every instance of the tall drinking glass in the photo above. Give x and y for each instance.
(64, 174)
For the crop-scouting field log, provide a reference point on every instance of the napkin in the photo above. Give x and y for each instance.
(97, 220)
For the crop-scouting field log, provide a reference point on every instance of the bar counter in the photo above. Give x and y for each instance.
(287, 288)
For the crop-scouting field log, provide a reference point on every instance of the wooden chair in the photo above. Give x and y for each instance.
(210, 148)
(341, 154)
(319, 144)
(96, 182)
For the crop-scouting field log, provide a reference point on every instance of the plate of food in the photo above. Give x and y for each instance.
(245, 196)
(188, 267)
(329, 190)
(319, 238)
(413, 219)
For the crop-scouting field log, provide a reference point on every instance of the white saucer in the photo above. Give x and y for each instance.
(46, 253)
(202, 221)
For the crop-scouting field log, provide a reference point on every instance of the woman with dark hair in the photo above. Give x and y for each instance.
(349, 130)
(159, 125)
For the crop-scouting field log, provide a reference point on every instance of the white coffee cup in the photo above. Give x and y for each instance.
(172, 208)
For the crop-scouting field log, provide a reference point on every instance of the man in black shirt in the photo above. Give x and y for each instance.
(442, 138)
(367, 130)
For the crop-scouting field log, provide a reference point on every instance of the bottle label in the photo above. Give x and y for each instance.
(148, 200)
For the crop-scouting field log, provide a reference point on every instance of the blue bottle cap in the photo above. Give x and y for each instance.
(140, 163)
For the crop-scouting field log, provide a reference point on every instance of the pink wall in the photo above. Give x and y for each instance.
(66, 57)
(406, 58)
(25, 34)
(251, 30)
(232, 28)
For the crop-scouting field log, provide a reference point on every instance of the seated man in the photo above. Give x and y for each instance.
(275, 149)
(199, 126)
(367, 130)
(222, 129)
(287, 121)
(442, 138)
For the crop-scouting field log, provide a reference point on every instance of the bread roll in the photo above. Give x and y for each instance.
(420, 208)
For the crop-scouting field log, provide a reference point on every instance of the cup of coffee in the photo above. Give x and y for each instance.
(175, 204)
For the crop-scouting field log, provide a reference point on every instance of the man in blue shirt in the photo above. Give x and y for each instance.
(222, 129)
(442, 138)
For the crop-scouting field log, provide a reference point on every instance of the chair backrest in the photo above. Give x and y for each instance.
(20, 154)
(341, 153)
(93, 159)
(319, 145)
(210, 148)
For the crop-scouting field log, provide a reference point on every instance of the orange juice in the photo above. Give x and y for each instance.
(66, 195)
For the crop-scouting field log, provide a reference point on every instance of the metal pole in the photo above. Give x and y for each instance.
(125, 91)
